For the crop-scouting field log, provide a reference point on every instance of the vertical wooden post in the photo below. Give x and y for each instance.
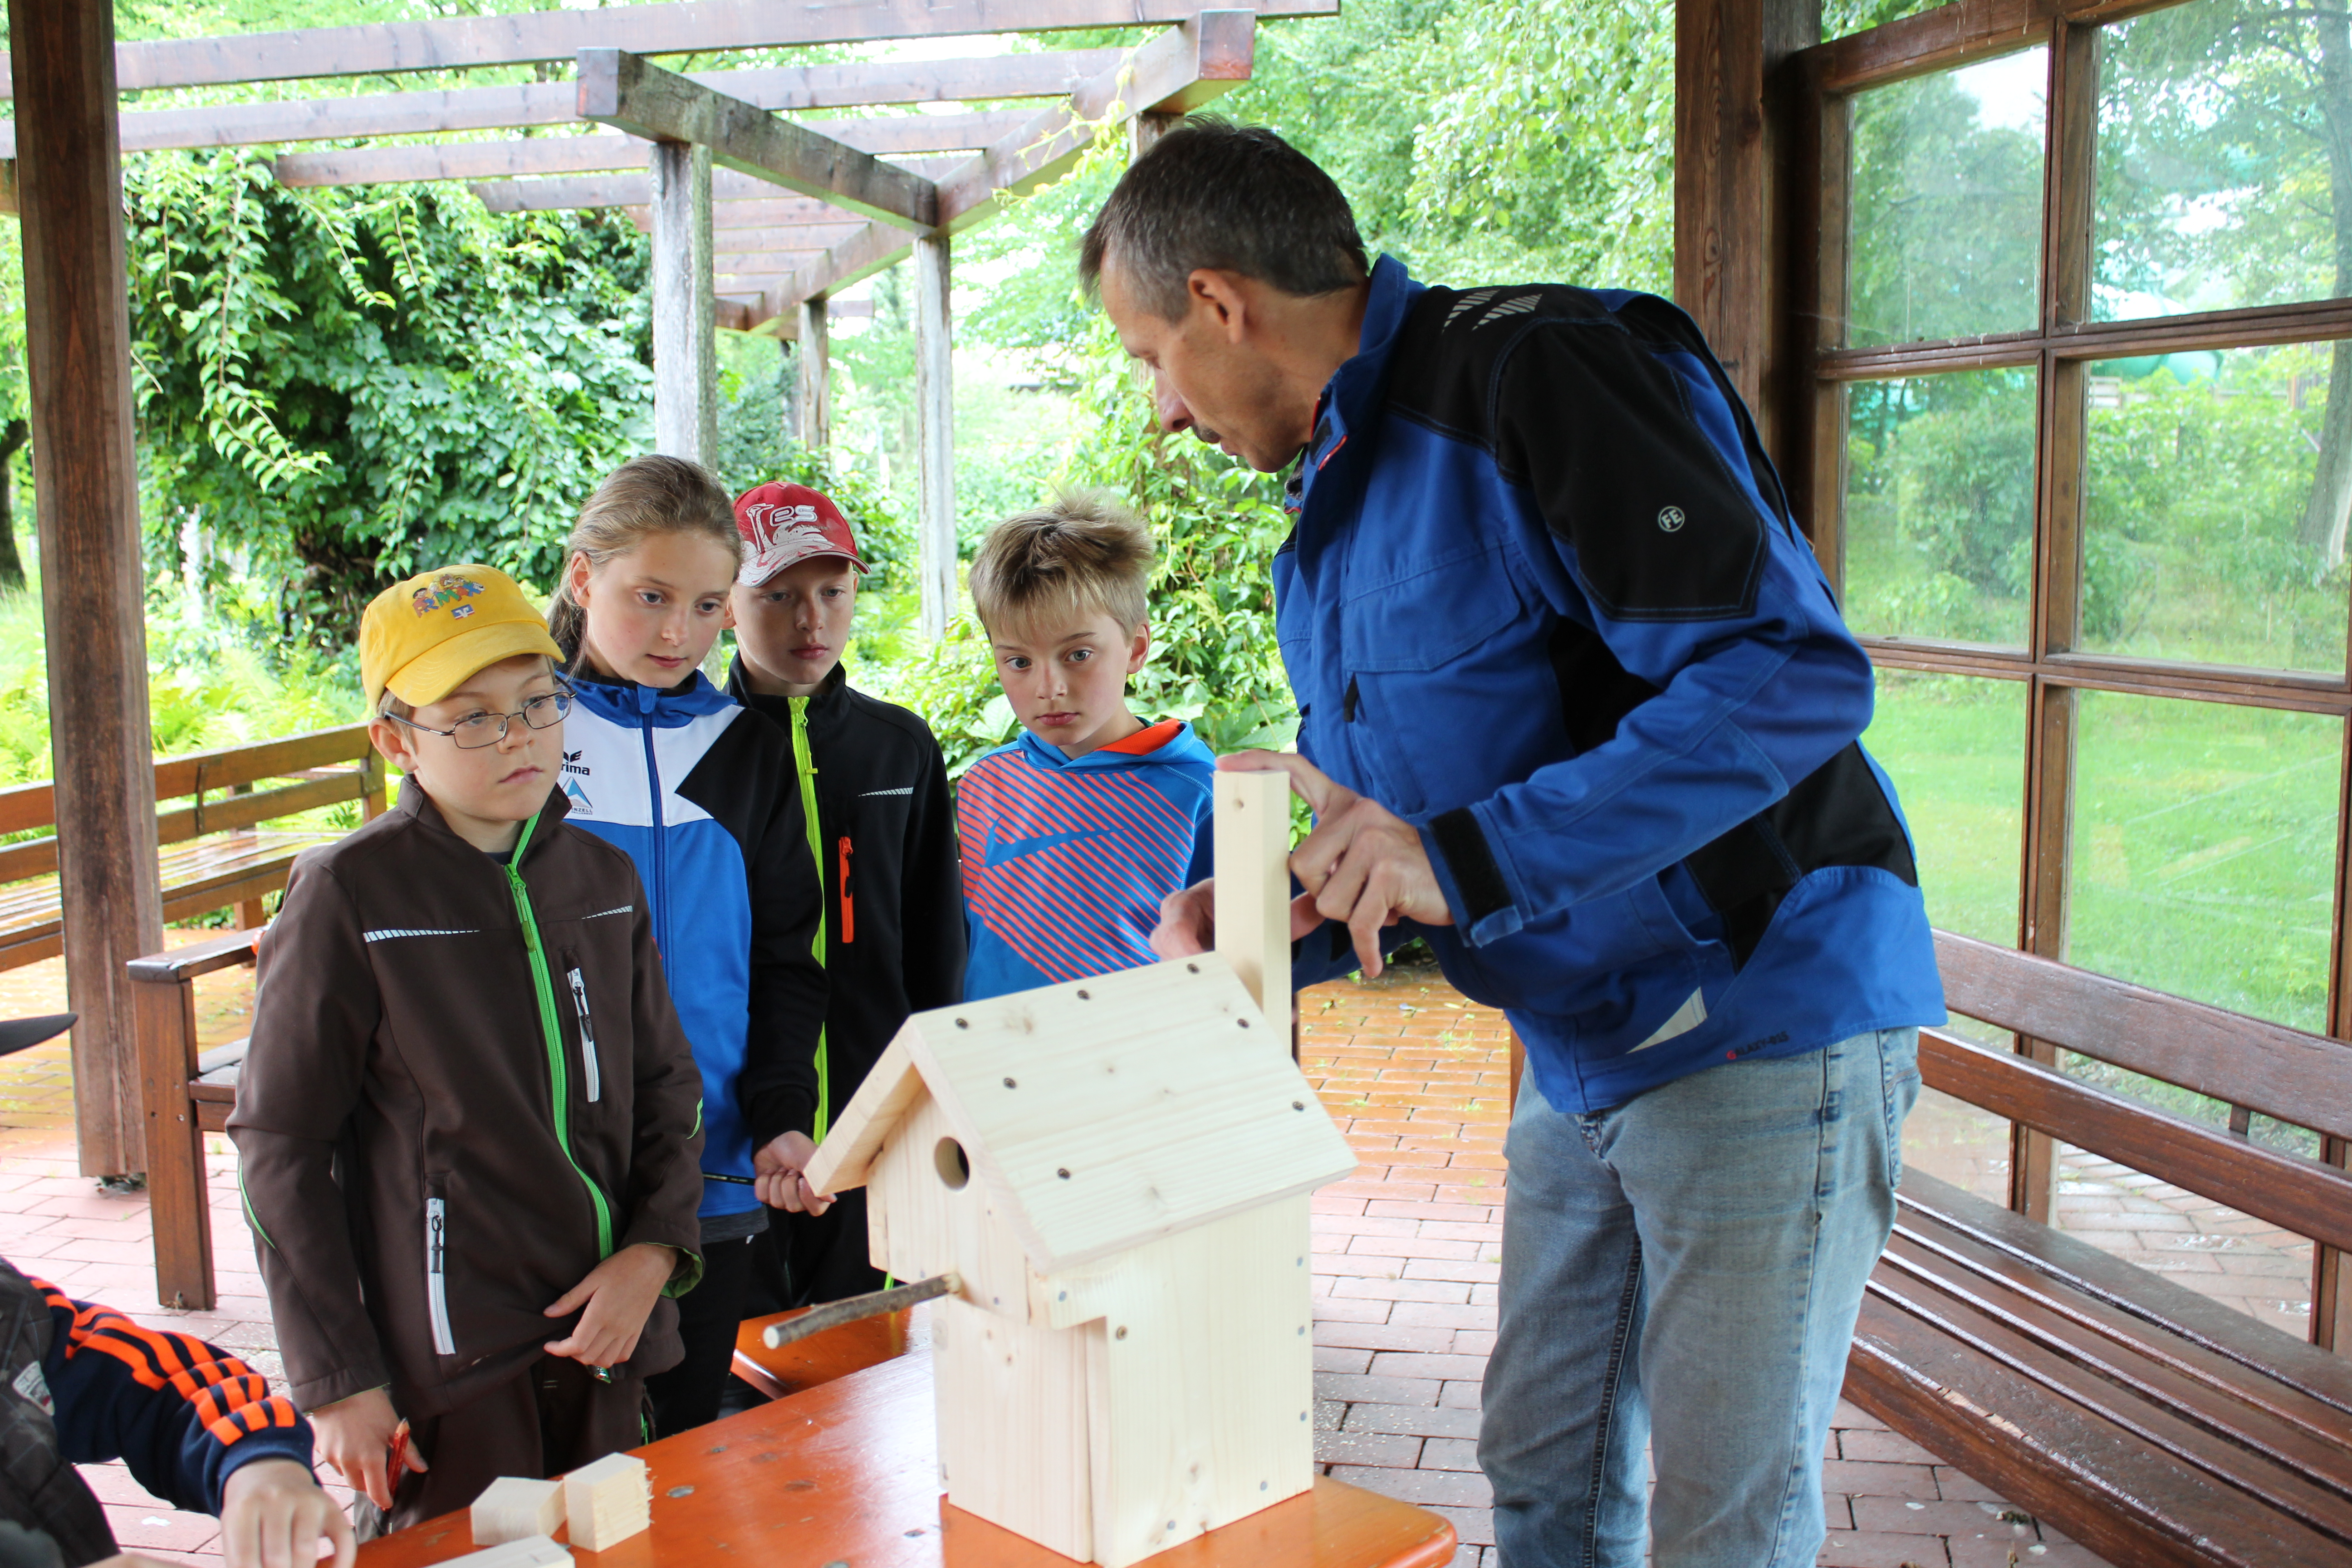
(164, 1009)
(935, 432)
(78, 353)
(813, 394)
(1732, 162)
(1145, 129)
(1253, 871)
(685, 311)
(788, 405)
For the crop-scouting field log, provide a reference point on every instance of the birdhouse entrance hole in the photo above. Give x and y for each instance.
(954, 1169)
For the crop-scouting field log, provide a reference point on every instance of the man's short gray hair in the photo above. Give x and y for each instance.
(1233, 197)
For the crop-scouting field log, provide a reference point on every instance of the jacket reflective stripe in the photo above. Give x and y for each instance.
(437, 1290)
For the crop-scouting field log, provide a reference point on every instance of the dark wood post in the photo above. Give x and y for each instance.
(1732, 165)
(85, 496)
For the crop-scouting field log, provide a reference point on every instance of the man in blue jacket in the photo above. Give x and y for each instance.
(1577, 709)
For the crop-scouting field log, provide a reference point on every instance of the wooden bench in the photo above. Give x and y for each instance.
(2153, 1424)
(211, 852)
(186, 1093)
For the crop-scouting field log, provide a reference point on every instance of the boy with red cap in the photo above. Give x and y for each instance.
(874, 789)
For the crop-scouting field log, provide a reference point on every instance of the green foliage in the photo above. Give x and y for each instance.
(338, 387)
(1218, 524)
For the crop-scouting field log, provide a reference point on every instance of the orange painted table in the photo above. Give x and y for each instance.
(847, 1474)
(836, 1353)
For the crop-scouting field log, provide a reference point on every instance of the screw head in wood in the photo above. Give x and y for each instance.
(1242, 1022)
(963, 1023)
(1122, 1333)
(1191, 969)
(1295, 1105)
(1063, 1172)
(1010, 1084)
(1084, 998)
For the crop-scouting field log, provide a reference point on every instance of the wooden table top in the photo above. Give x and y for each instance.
(847, 1476)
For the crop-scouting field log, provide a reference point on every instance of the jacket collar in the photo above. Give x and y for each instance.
(1352, 397)
(415, 804)
(831, 693)
(650, 707)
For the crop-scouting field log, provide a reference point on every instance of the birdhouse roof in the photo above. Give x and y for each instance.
(1104, 1113)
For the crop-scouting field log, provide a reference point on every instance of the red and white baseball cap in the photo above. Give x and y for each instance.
(783, 525)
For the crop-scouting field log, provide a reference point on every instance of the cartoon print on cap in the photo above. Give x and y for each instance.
(447, 589)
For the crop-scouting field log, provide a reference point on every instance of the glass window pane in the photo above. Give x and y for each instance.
(2214, 188)
(2241, 1262)
(1955, 747)
(1954, 1141)
(2210, 532)
(1947, 203)
(1840, 17)
(2203, 852)
(1940, 505)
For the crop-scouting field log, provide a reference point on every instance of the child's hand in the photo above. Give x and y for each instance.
(780, 1183)
(1188, 921)
(355, 1437)
(273, 1515)
(619, 1294)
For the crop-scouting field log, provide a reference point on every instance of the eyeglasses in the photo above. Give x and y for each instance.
(476, 730)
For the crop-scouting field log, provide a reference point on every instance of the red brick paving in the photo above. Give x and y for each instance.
(1406, 1255)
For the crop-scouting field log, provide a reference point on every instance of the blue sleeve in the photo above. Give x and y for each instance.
(183, 1414)
(1725, 614)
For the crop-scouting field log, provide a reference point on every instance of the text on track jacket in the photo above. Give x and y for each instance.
(465, 1086)
(703, 796)
(1543, 599)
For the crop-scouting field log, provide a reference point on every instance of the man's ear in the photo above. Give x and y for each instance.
(1138, 648)
(1220, 292)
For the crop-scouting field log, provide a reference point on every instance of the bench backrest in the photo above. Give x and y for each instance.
(2301, 1079)
(327, 765)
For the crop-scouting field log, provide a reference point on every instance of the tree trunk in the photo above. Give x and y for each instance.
(2329, 507)
(12, 567)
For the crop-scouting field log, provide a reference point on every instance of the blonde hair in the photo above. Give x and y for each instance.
(1081, 554)
(643, 497)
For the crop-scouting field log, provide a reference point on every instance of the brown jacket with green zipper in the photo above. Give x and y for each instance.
(440, 1132)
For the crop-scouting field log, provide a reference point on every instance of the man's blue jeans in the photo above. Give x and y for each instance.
(1682, 1271)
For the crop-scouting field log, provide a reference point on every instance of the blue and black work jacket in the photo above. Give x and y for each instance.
(1544, 600)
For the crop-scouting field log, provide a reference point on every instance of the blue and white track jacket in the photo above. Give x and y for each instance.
(702, 794)
(1543, 599)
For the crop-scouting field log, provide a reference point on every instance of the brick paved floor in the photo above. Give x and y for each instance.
(1407, 1255)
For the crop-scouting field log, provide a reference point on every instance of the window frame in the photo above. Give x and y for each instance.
(1815, 106)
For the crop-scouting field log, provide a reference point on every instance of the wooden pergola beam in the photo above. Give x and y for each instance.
(562, 194)
(1178, 71)
(621, 90)
(857, 85)
(811, 236)
(527, 155)
(459, 43)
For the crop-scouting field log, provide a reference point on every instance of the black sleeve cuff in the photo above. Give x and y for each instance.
(1475, 876)
(773, 1112)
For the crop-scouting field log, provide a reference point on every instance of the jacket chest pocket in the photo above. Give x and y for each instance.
(1450, 691)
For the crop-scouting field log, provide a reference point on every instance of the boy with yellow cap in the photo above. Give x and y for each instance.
(469, 1125)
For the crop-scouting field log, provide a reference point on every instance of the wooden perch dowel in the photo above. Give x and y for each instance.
(849, 1310)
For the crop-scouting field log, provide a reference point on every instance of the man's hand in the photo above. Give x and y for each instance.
(1363, 864)
(355, 1437)
(777, 1169)
(619, 1294)
(273, 1515)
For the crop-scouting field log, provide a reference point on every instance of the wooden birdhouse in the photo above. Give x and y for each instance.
(1118, 1171)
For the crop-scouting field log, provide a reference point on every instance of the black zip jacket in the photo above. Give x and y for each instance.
(886, 850)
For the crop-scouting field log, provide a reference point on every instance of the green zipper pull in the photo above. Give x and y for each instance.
(559, 1077)
(805, 763)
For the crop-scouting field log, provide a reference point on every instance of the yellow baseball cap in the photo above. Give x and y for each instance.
(420, 638)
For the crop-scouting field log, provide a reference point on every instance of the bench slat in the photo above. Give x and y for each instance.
(224, 952)
(2300, 1195)
(38, 857)
(2298, 1078)
(2096, 1279)
(2259, 1480)
(2119, 1496)
(32, 805)
(2143, 1371)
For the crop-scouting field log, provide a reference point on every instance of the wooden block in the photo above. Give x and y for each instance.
(515, 1508)
(531, 1552)
(1253, 868)
(608, 1502)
